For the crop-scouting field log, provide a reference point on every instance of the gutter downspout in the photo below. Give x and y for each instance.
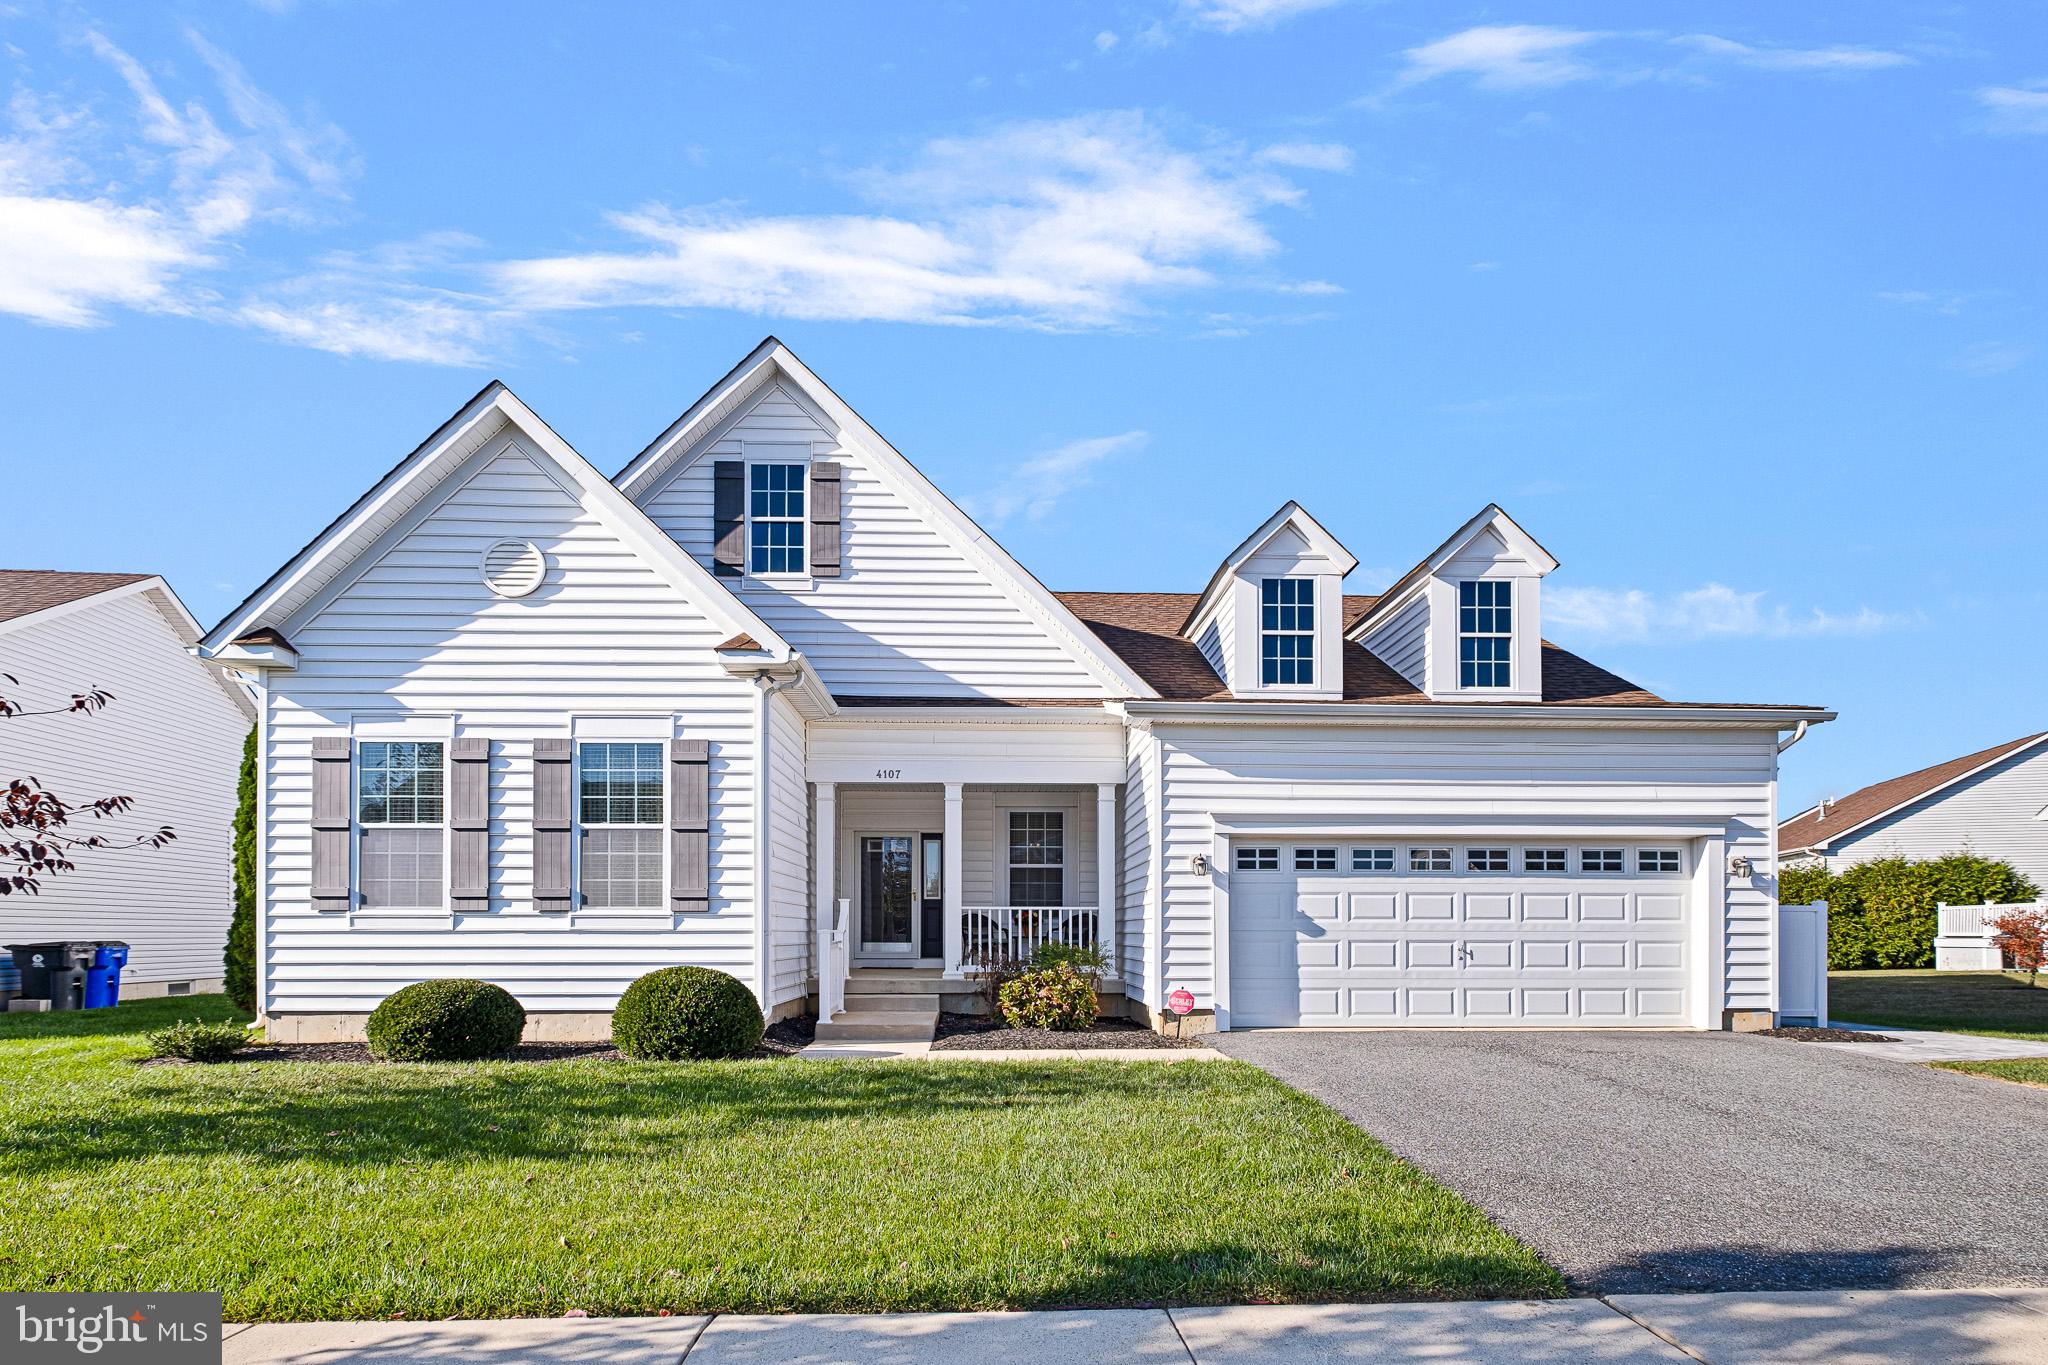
(768, 687)
(1797, 734)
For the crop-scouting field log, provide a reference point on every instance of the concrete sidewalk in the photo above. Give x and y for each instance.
(1927, 1045)
(1848, 1327)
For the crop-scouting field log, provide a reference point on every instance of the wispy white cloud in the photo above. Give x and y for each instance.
(1714, 611)
(1539, 56)
(1078, 222)
(2017, 109)
(1105, 40)
(1236, 16)
(1986, 359)
(96, 214)
(1947, 302)
(1035, 487)
(1308, 156)
(1813, 59)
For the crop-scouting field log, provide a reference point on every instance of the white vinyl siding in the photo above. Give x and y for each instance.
(172, 739)
(1401, 642)
(909, 615)
(1996, 814)
(1140, 861)
(790, 947)
(417, 632)
(1288, 774)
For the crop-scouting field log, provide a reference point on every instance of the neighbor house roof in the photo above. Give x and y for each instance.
(23, 591)
(1144, 629)
(1825, 823)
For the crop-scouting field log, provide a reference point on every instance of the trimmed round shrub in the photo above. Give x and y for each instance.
(686, 1014)
(445, 1021)
(198, 1041)
(1055, 998)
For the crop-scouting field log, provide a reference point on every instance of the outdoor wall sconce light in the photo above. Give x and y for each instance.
(1741, 866)
(1200, 863)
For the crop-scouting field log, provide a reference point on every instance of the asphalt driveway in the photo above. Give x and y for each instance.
(1654, 1162)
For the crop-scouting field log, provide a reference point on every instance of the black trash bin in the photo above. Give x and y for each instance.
(54, 971)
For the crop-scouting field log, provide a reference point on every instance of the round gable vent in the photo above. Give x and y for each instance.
(514, 568)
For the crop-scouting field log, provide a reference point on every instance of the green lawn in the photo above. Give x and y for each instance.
(1991, 1003)
(2025, 1070)
(495, 1189)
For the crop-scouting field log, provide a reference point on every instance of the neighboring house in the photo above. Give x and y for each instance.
(527, 723)
(1993, 803)
(171, 739)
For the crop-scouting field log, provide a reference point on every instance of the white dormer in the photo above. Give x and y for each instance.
(1466, 624)
(1271, 621)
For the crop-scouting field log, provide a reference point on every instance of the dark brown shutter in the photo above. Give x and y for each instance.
(553, 805)
(469, 819)
(825, 542)
(333, 822)
(729, 519)
(689, 824)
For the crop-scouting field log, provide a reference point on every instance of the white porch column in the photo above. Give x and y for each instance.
(950, 879)
(1106, 858)
(824, 871)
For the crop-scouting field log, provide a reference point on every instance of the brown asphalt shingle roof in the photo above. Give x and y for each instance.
(1144, 629)
(1881, 798)
(23, 591)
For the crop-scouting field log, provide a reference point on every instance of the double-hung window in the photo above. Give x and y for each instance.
(400, 859)
(1485, 632)
(775, 518)
(1287, 632)
(1038, 857)
(619, 801)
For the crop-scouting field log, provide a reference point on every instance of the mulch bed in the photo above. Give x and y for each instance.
(784, 1039)
(982, 1033)
(1805, 1034)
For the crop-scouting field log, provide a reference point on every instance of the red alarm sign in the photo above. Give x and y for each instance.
(1181, 1001)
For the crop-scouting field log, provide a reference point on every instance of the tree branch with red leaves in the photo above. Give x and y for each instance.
(37, 838)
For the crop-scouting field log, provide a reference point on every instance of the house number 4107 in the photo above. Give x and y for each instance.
(888, 774)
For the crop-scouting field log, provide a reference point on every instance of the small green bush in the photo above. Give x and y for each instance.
(445, 1021)
(199, 1042)
(238, 959)
(1055, 998)
(682, 1014)
(1085, 958)
(1883, 913)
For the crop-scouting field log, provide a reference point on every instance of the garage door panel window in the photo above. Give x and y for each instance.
(1258, 860)
(1429, 860)
(1657, 860)
(1601, 860)
(1545, 860)
(1372, 860)
(1486, 860)
(1308, 859)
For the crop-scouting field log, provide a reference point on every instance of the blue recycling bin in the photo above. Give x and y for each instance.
(103, 977)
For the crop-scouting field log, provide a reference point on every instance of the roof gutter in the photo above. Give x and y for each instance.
(1470, 713)
(1798, 733)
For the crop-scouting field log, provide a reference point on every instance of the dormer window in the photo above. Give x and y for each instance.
(775, 518)
(1287, 632)
(1485, 633)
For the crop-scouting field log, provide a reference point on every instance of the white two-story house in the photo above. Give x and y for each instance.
(768, 701)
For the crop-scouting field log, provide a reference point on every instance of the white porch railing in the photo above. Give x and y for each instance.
(1963, 936)
(991, 934)
(838, 962)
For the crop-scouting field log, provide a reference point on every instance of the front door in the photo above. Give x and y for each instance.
(931, 932)
(888, 895)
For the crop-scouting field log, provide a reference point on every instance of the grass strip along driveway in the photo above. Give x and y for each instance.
(1996, 1004)
(304, 1190)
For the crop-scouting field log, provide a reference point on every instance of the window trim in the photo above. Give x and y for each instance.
(1070, 826)
(764, 456)
(579, 899)
(441, 734)
(1507, 637)
(1308, 585)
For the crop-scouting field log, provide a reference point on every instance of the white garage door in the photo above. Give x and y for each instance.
(1507, 934)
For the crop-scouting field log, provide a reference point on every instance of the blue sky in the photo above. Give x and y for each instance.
(1738, 308)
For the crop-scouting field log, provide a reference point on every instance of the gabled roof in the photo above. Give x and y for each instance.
(1823, 825)
(26, 591)
(1145, 628)
(1291, 514)
(1488, 518)
(772, 360)
(414, 481)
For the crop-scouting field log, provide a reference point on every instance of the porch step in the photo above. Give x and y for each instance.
(861, 982)
(863, 1025)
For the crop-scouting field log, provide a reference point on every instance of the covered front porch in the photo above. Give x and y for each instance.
(943, 850)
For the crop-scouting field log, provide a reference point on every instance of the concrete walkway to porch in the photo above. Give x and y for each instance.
(903, 1052)
(1844, 1327)
(1927, 1045)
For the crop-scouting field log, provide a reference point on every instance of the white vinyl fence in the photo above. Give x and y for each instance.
(1803, 964)
(1963, 936)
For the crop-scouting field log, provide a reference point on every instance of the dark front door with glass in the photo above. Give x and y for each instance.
(888, 895)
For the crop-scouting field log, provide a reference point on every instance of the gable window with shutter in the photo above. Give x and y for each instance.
(776, 543)
(401, 844)
(620, 811)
